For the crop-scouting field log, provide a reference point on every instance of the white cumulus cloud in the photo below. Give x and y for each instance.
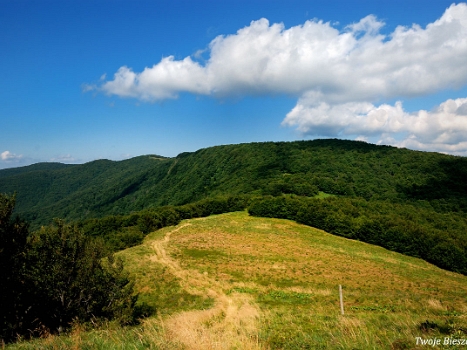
(442, 129)
(358, 63)
(337, 76)
(9, 157)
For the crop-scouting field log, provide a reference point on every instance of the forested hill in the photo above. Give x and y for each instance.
(31, 168)
(349, 168)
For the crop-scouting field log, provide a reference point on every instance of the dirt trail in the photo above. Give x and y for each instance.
(232, 323)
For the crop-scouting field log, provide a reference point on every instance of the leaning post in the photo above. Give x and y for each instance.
(341, 298)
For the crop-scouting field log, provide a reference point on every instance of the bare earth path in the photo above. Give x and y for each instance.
(231, 324)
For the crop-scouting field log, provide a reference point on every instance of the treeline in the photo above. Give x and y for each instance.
(124, 231)
(56, 276)
(415, 230)
(412, 228)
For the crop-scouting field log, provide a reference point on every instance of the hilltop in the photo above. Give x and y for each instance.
(236, 281)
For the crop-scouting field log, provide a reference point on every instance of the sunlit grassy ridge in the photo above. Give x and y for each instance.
(235, 281)
(293, 272)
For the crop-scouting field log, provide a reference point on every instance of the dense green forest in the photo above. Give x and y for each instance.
(345, 168)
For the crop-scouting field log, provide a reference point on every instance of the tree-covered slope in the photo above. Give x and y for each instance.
(31, 168)
(80, 190)
(349, 168)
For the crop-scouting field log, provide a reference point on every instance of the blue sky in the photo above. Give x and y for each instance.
(84, 80)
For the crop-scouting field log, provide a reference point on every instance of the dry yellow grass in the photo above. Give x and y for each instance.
(387, 295)
(231, 324)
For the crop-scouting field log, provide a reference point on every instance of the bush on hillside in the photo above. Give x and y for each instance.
(13, 241)
(56, 276)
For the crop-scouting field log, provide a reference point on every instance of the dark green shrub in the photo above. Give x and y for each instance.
(57, 276)
(13, 249)
(70, 281)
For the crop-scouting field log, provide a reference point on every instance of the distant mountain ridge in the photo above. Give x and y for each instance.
(341, 167)
(33, 167)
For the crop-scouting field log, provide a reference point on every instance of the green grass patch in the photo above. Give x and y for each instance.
(377, 308)
(203, 253)
(245, 290)
(282, 297)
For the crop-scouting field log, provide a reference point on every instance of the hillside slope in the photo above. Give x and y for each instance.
(350, 168)
(235, 281)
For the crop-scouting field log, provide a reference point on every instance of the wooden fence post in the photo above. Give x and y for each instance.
(341, 298)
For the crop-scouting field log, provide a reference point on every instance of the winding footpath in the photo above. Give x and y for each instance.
(233, 321)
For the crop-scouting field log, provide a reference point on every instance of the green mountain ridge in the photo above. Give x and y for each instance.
(33, 167)
(348, 168)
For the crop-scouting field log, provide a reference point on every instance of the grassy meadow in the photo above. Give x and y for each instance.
(232, 281)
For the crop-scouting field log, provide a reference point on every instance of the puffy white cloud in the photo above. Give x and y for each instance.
(442, 129)
(9, 157)
(164, 80)
(357, 64)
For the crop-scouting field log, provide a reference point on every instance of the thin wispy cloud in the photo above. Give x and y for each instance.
(341, 78)
(67, 158)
